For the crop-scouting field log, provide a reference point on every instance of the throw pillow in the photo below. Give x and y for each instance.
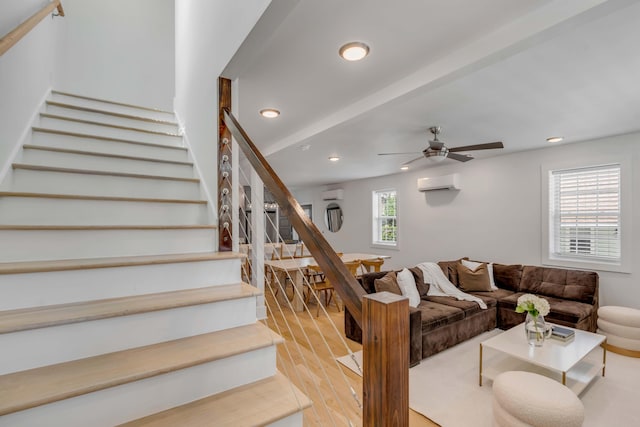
(450, 270)
(408, 287)
(387, 283)
(474, 280)
(418, 275)
(472, 265)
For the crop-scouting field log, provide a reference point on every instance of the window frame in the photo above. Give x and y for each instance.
(625, 223)
(375, 220)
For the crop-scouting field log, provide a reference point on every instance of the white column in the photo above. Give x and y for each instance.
(257, 240)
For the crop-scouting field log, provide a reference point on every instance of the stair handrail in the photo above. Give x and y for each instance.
(334, 269)
(14, 36)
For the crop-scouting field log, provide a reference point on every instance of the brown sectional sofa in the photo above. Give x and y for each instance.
(442, 322)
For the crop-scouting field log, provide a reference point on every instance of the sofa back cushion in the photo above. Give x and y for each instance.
(367, 280)
(388, 283)
(573, 285)
(507, 276)
(450, 269)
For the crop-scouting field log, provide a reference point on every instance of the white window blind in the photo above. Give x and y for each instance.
(585, 213)
(385, 221)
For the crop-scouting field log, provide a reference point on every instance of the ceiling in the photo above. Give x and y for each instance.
(495, 70)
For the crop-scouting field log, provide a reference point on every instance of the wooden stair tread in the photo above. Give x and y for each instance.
(100, 198)
(260, 403)
(106, 101)
(40, 386)
(104, 138)
(110, 113)
(25, 166)
(91, 122)
(63, 314)
(111, 262)
(99, 154)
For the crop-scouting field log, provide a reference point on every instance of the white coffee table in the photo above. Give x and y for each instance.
(563, 361)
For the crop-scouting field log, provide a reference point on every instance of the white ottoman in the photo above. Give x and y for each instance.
(523, 399)
(621, 325)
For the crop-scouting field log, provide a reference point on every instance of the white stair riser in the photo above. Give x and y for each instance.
(24, 350)
(45, 139)
(109, 132)
(34, 181)
(295, 420)
(36, 289)
(114, 120)
(43, 211)
(38, 245)
(141, 112)
(79, 161)
(127, 402)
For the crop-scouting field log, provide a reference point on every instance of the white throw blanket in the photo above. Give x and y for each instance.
(440, 286)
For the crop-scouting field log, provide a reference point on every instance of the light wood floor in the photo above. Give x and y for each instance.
(316, 373)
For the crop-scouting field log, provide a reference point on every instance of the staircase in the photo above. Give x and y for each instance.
(115, 307)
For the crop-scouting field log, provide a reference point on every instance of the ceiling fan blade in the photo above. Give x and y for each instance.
(411, 161)
(459, 157)
(436, 145)
(395, 154)
(486, 146)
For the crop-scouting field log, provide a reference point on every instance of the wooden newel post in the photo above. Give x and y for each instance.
(385, 379)
(225, 186)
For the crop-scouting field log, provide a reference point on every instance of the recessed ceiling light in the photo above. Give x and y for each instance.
(354, 51)
(334, 158)
(404, 167)
(270, 113)
(555, 139)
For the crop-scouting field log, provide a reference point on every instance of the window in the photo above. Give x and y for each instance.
(385, 221)
(585, 217)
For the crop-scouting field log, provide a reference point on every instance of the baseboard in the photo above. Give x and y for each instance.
(23, 136)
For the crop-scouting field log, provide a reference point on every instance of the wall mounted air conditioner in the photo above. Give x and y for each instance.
(444, 182)
(333, 194)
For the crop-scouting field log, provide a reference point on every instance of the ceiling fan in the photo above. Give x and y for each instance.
(438, 151)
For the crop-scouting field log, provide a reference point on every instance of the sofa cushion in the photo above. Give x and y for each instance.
(468, 307)
(367, 280)
(423, 288)
(562, 310)
(450, 269)
(407, 284)
(571, 285)
(388, 283)
(494, 296)
(435, 315)
(507, 276)
(474, 264)
(474, 279)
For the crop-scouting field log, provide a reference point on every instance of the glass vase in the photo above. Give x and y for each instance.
(536, 330)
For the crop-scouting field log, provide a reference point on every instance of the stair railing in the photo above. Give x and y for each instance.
(23, 29)
(385, 321)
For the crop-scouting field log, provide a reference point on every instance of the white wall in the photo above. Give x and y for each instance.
(25, 73)
(120, 50)
(208, 33)
(496, 216)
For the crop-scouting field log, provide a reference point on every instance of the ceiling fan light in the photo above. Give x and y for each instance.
(436, 156)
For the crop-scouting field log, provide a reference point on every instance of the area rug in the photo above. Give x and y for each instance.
(444, 388)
